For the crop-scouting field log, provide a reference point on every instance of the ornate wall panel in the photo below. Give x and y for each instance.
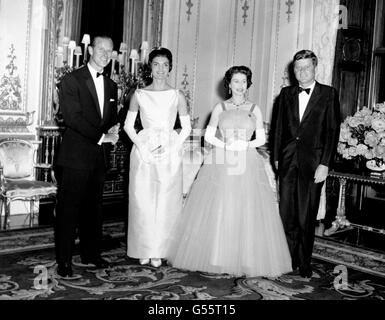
(207, 37)
(16, 114)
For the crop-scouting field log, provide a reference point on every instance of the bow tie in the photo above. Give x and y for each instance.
(307, 90)
(98, 74)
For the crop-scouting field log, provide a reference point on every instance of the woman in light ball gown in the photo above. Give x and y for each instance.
(230, 222)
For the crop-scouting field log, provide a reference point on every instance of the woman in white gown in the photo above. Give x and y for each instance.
(155, 178)
(230, 222)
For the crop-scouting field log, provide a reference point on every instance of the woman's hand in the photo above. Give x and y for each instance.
(146, 155)
(167, 151)
(237, 145)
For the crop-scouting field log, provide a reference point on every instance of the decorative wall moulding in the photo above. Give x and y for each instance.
(189, 5)
(16, 123)
(245, 8)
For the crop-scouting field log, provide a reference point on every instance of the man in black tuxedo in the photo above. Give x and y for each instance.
(88, 102)
(305, 137)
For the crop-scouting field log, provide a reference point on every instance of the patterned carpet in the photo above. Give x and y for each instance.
(28, 273)
(32, 276)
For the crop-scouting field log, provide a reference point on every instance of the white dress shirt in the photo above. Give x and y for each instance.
(304, 98)
(99, 85)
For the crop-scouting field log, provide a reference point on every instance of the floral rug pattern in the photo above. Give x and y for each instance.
(32, 276)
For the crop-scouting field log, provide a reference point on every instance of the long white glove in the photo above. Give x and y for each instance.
(241, 145)
(186, 130)
(237, 145)
(129, 123)
(260, 139)
(212, 139)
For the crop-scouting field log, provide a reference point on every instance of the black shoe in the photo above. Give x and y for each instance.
(64, 270)
(98, 263)
(305, 272)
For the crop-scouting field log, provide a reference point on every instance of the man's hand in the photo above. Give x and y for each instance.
(114, 129)
(321, 173)
(111, 138)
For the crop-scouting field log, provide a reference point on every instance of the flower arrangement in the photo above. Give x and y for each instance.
(362, 136)
(60, 72)
(127, 81)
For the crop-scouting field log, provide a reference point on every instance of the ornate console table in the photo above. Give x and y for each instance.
(341, 221)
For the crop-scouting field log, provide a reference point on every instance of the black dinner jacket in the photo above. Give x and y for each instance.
(312, 141)
(84, 125)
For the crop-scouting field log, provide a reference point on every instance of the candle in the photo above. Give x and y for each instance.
(66, 41)
(59, 57)
(86, 41)
(71, 48)
(78, 53)
(133, 56)
(121, 59)
(123, 49)
(114, 57)
(144, 50)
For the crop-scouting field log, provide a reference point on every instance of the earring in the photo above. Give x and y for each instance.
(229, 90)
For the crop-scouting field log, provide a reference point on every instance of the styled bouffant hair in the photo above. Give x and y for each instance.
(160, 52)
(306, 54)
(237, 69)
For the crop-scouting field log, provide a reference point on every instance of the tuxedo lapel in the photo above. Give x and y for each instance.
(107, 94)
(294, 104)
(91, 87)
(316, 95)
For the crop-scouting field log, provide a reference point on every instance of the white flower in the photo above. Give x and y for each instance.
(352, 152)
(362, 149)
(378, 125)
(363, 134)
(371, 138)
(352, 141)
(345, 134)
(354, 122)
(369, 155)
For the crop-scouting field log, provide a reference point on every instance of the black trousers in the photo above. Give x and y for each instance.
(298, 206)
(79, 208)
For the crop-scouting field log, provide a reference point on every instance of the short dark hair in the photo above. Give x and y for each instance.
(306, 54)
(237, 69)
(160, 52)
(93, 43)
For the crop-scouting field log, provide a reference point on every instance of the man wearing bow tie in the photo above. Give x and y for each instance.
(88, 102)
(305, 136)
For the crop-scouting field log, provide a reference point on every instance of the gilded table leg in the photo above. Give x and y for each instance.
(341, 220)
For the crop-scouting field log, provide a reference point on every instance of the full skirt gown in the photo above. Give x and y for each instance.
(230, 222)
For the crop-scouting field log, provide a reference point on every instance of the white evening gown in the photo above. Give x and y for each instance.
(155, 189)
